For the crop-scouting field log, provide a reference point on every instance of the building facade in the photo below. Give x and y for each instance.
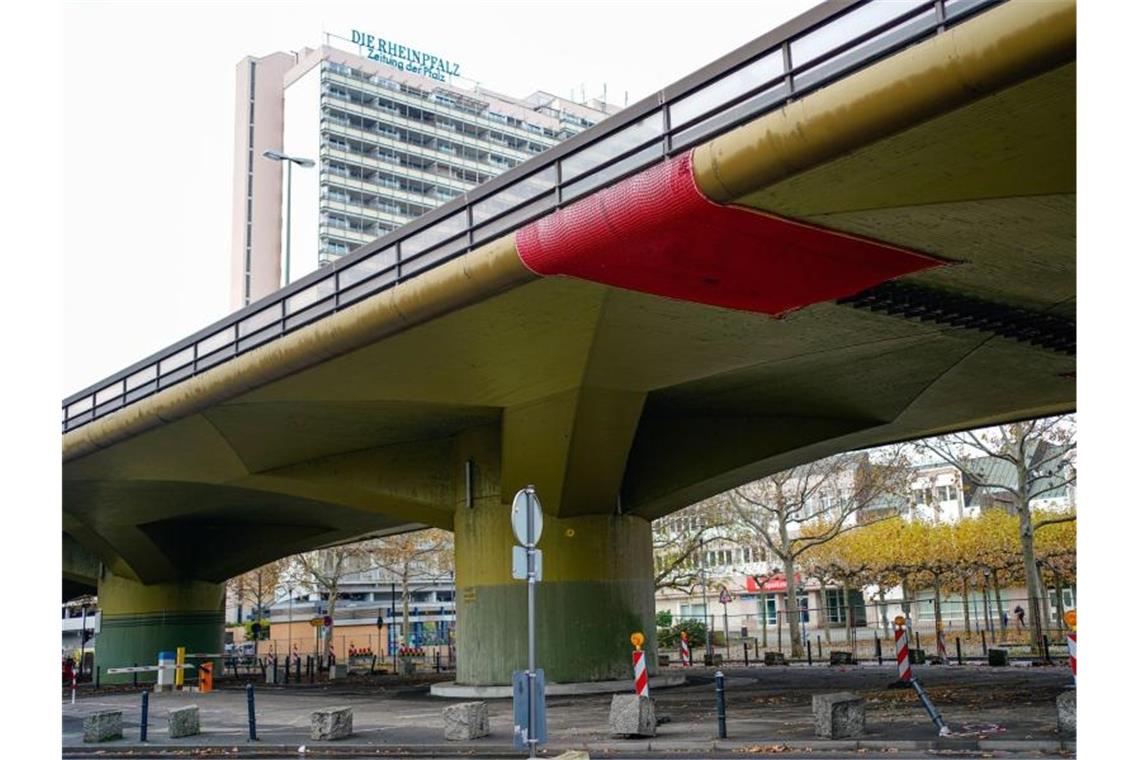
(389, 145)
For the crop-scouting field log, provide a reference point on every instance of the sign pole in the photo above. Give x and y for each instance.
(532, 738)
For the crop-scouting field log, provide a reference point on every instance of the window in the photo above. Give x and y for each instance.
(836, 608)
(692, 612)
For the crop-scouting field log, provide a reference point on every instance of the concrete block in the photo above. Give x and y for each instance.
(917, 656)
(1067, 711)
(631, 715)
(407, 666)
(466, 720)
(333, 723)
(715, 660)
(339, 670)
(183, 721)
(662, 659)
(999, 657)
(271, 674)
(838, 715)
(774, 658)
(102, 726)
(841, 658)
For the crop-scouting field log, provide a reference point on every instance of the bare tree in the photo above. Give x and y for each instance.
(1013, 465)
(798, 509)
(423, 557)
(323, 571)
(258, 586)
(679, 539)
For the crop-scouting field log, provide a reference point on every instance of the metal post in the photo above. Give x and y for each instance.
(135, 676)
(958, 646)
(931, 710)
(917, 644)
(721, 728)
(809, 651)
(819, 646)
(288, 213)
(878, 648)
(298, 660)
(1045, 646)
(143, 718)
(985, 650)
(372, 667)
(531, 738)
(98, 668)
(746, 654)
(252, 715)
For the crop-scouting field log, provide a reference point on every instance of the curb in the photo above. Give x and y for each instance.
(610, 749)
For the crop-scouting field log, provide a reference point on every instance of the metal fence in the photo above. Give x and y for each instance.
(967, 635)
(824, 44)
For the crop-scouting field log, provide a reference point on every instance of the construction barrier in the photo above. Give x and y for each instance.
(686, 655)
(640, 674)
(902, 654)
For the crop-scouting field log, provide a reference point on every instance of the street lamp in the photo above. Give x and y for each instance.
(274, 155)
(289, 651)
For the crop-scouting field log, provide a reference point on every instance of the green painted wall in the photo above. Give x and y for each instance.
(139, 621)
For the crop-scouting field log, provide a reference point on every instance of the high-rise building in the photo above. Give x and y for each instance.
(392, 138)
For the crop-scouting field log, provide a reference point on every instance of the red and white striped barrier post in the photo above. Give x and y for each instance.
(941, 637)
(640, 673)
(74, 681)
(686, 654)
(902, 653)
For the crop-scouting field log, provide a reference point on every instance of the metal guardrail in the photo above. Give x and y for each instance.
(828, 42)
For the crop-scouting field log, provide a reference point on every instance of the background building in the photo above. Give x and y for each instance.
(389, 145)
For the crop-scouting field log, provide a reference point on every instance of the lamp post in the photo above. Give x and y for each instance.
(289, 651)
(986, 599)
(274, 155)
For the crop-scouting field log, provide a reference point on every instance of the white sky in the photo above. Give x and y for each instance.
(147, 128)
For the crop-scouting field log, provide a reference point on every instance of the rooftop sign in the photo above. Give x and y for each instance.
(405, 58)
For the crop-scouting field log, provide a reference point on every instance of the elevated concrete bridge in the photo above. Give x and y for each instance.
(809, 246)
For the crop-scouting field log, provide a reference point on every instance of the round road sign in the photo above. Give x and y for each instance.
(518, 514)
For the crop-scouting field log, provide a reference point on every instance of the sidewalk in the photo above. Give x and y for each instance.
(768, 709)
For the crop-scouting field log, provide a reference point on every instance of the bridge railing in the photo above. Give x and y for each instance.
(818, 47)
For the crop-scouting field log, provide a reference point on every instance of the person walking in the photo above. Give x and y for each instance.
(1019, 613)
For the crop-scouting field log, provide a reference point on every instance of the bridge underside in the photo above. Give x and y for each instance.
(621, 406)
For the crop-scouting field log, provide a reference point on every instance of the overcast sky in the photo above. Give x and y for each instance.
(148, 112)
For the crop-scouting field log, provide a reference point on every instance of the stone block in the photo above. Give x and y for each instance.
(774, 658)
(999, 657)
(103, 726)
(714, 660)
(466, 720)
(407, 666)
(838, 715)
(339, 670)
(841, 658)
(1067, 711)
(662, 659)
(183, 721)
(631, 715)
(917, 656)
(333, 723)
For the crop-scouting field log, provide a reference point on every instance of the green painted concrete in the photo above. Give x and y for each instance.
(597, 589)
(139, 621)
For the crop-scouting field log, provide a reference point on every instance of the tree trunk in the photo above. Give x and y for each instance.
(997, 603)
(966, 604)
(764, 621)
(1058, 587)
(793, 605)
(825, 616)
(1033, 590)
(937, 608)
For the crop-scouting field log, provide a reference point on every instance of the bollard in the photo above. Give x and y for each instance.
(809, 652)
(878, 649)
(287, 669)
(135, 676)
(261, 662)
(985, 650)
(819, 646)
(252, 716)
(143, 717)
(746, 654)
(372, 667)
(98, 668)
(297, 659)
(958, 646)
(721, 728)
(917, 641)
(1045, 646)
(437, 661)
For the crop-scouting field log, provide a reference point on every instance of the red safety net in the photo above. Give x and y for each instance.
(655, 232)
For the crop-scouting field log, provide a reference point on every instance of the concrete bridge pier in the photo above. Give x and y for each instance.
(597, 585)
(140, 620)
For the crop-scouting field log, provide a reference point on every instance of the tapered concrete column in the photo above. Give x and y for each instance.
(597, 588)
(139, 621)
